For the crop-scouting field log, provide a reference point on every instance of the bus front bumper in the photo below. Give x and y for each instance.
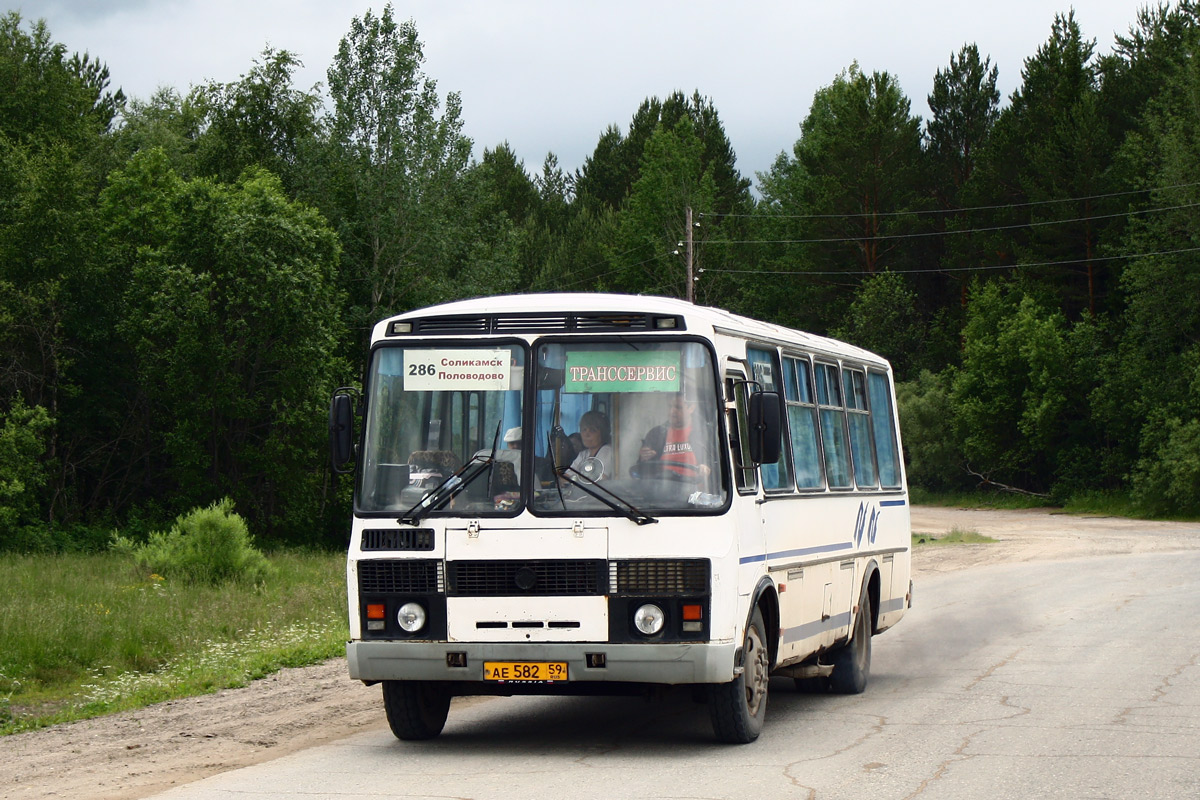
(682, 663)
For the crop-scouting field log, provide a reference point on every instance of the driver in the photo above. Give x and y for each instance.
(595, 458)
(678, 441)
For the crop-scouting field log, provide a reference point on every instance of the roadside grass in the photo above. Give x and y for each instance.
(87, 635)
(956, 535)
(1093, 503)
(977, 499)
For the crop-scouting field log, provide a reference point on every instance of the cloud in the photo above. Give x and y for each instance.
(551, 76)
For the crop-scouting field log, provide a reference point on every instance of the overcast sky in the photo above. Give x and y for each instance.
(551, 76)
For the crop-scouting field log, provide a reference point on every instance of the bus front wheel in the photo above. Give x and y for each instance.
(737, 708)
(416, 709)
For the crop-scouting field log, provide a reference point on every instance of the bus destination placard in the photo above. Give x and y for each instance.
(621, 371)
(456, 370)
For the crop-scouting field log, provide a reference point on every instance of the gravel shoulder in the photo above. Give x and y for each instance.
(140, 753)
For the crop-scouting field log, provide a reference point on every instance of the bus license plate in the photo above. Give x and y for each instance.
(540, 671)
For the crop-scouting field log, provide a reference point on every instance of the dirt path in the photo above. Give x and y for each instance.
(139, 753)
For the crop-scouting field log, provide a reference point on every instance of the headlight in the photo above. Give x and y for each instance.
(649, 619)
(411, 617)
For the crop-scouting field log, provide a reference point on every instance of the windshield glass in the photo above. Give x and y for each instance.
(639, 418)
(430, 410)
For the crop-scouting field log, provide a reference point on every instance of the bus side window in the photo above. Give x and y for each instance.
(775, 476)
(802, 422)
(862, 450)
(833, 426)
(883, 427)
(737, 423)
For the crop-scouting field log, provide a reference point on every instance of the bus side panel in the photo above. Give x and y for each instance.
(893, 595)
(808, 540)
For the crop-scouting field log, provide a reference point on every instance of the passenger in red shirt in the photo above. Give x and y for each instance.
(678, 442)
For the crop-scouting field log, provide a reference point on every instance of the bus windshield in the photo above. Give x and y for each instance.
(431, 409)
(639, 418)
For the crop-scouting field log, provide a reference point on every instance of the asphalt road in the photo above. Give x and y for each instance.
(1073, 679)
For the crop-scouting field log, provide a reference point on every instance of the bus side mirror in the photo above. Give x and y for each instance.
(766, 423)
(341, 431)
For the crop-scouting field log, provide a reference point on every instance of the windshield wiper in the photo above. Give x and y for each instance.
(432, 500)
(616, 503)
(447, 490)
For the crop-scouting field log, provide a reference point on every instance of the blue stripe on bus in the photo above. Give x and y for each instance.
(803, 551)
(891, 502)
(842, 620)
(808, 629)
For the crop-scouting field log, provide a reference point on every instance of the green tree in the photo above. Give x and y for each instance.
(932, 450)
(605, 177)
(258, 120)
(1016, 397)
(578, 253)
(395, 165)
(509, 209)
(55, 114)
(609, 174)
(23, 441)
(1047, 157)
(964, 105)
(672, 178)
(854, 173)
(1158, 47)
(167, 121)
(233, 316)
(1151, 391)
(509, 188)
(884, 318)
(50, 96)
(555, 189)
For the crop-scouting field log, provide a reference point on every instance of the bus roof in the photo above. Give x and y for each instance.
(706, 320)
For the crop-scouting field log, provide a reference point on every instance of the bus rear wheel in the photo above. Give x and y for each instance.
(416, 710)
(852, 663)
(737, 708)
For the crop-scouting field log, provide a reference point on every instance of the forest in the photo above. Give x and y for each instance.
(185, 278)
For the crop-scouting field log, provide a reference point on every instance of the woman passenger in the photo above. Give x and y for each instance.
(595, 460)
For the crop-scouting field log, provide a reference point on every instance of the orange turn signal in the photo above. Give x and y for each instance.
(693, 611)
(376, 611)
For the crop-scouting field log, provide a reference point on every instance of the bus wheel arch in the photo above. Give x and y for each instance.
(766, 601)
(872, 592)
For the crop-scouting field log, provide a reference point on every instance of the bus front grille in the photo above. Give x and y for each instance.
(397, 539)
(520, 578)
(400, 576)
(659, 577)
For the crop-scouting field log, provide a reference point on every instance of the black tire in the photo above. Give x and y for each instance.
(416, 710)
(738, 708)
(852, 663)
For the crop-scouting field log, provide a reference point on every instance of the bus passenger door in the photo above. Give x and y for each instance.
(751, 540)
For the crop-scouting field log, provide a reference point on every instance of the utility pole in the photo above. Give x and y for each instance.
(690, 280)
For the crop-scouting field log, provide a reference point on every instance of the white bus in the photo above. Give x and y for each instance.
(590, 493)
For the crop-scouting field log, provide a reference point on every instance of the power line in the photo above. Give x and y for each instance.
(591, 278)
(955, 269)
(893, 236)
(955, 210)
(581, 270)
(615, 269)
(860, 239)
